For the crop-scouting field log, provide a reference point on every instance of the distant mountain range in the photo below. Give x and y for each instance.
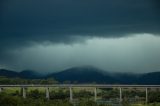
(88, 74)
(26, 74)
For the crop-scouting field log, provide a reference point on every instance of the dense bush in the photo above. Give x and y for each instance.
(10, 101)
(154, 96)
(12, 81)
(36, 94)
(60, 94)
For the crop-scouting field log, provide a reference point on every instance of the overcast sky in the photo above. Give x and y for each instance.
(52, 35)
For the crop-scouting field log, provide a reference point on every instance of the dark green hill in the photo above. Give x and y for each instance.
(88, 74)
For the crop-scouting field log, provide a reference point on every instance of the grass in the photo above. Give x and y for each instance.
(151, 104)
(75, 91)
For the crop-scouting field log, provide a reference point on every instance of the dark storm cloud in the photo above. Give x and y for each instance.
(25, 21)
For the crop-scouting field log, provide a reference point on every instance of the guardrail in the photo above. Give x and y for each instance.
(71, 86)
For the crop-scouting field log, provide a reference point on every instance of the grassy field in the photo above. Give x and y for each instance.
(60, 97)
(151, 104)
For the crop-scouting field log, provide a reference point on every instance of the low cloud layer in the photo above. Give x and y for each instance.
(139, 53)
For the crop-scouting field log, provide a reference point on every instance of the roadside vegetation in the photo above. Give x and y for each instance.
(82, 96)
